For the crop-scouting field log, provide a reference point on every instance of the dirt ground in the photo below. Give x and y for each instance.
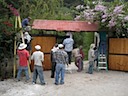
(102, 83)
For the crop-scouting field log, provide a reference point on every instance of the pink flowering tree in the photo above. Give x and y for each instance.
(112, 16)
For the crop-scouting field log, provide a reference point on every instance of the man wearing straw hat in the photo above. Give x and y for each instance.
(38, 58)
(23, 55)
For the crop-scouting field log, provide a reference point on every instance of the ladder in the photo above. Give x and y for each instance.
(102, 62)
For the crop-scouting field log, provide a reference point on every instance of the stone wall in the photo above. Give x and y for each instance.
(6, 68)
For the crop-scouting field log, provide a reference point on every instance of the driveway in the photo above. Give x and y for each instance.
(102, 83)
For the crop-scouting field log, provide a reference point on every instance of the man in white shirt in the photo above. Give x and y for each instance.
(38, 58)
(27, 39)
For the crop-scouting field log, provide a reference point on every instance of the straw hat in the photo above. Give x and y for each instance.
(22, 46)
(37, 47)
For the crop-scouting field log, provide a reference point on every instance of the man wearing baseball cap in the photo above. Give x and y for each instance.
(38, 58)
(61, 58)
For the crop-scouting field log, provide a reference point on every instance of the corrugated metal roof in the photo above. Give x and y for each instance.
(64, 25)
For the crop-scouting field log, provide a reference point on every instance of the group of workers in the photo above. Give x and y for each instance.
(61, 55)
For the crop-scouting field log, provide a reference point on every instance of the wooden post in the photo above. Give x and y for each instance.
(20, 26)
(29, 71)
(14, 62)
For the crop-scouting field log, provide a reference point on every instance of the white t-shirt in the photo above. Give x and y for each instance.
(38, 58)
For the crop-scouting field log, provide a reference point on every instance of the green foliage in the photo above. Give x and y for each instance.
(87, 41)
(70, 3)
(6, 31)
(64, 14)
(38, 9)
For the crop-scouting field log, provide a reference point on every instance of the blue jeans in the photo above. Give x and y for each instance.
(102, 47)
(38, 70)
(20, 69)
(60, 70)
(90, 69)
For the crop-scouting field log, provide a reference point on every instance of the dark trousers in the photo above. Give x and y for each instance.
(53, 69)
(69, 57)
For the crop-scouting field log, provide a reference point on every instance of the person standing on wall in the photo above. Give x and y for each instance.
(38, 58)
(68, 47)
(23, 55)
(61, 58)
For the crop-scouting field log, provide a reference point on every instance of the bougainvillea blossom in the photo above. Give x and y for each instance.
(13, 10)
(8, 23)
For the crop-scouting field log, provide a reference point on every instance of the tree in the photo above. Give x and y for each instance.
(111, 16)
